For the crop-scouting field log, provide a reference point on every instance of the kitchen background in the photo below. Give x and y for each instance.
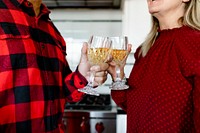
(78, 22)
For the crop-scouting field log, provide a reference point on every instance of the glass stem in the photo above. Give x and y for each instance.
(118, 73)
(91, 79)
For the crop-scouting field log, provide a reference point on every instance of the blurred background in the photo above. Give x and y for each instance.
(77, 20)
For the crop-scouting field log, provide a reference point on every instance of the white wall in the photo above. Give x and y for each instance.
(136, 21)
(82, 23)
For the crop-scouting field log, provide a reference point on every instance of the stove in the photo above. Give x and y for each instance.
(93, 114)
(90, 102)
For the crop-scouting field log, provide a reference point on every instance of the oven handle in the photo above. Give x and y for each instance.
(85, 125)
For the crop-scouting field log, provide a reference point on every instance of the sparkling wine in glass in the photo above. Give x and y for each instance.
(99, 48)
(119, 54)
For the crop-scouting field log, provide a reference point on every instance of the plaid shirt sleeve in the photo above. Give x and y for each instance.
(73, 81)
(35, 78)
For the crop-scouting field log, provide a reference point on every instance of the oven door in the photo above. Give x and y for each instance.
(103, 122)
(89, 121)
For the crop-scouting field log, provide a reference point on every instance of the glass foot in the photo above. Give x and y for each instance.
(89, 90)
(118, 86)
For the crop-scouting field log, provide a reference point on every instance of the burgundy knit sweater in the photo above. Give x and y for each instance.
(164, 93)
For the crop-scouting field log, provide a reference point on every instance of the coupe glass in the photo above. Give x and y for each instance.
(119, 54)
(99, 48)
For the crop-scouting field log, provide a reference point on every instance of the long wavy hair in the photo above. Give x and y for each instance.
(191, 18)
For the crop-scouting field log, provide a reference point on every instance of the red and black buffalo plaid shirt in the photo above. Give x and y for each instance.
(35, 79)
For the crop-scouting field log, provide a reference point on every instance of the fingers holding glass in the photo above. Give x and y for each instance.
(99, 78)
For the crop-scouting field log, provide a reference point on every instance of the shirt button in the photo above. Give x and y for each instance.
(28, 3)
(43, 46)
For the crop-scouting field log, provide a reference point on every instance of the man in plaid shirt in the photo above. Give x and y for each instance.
(35, 79)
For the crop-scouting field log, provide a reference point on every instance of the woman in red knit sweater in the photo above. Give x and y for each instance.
(164, 93)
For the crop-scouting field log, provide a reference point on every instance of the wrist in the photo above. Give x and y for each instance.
(83, 69)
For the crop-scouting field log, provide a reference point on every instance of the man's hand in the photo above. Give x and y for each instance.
(85, 68)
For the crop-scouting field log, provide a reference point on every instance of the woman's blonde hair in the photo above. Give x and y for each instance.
(191, 18)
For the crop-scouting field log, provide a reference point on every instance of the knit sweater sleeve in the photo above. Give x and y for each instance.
(188, 54)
